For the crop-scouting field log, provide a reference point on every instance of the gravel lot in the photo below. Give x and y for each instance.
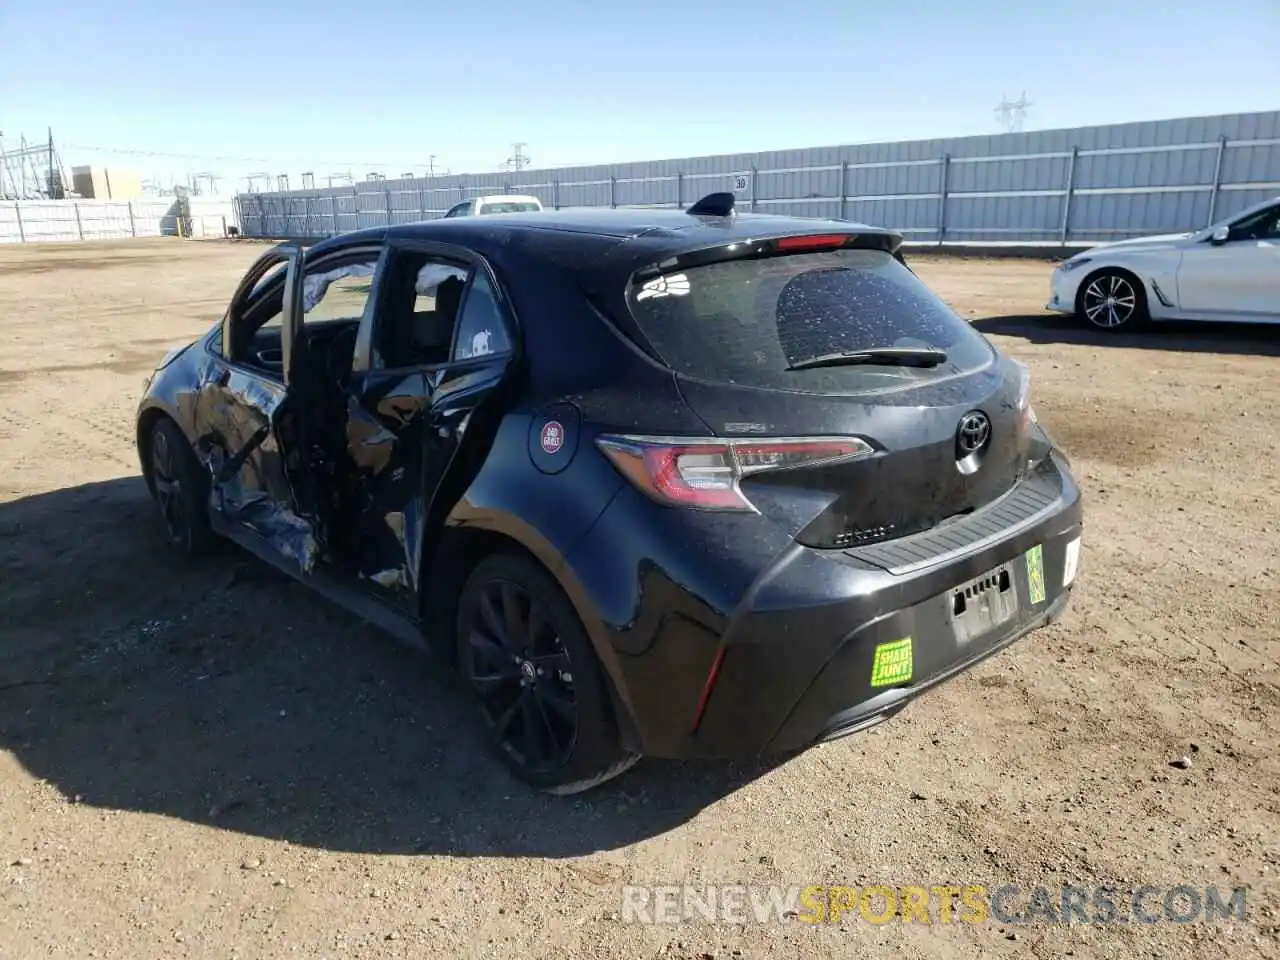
(205, 761)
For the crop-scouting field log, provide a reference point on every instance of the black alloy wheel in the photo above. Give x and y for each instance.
(177, 484)
(522, 676)
(535, 678)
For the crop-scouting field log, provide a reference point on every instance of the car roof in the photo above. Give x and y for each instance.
(596, 237)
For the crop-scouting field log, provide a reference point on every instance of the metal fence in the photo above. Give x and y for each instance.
(48, 221)
(1084, 185)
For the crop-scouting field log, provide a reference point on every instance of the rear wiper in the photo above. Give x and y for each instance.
(881, 356)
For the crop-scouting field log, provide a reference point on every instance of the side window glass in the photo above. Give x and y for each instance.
(337, 293)
(1264, 225)
(480, 328)
(256, 302)
(417, 310)
(1271, 228)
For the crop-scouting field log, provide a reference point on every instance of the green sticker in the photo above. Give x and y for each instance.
(1035, 573)
(892, 664)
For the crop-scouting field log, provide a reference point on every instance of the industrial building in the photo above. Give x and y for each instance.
(106, 183)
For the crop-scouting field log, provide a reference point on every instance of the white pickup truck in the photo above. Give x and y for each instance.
(498, 203)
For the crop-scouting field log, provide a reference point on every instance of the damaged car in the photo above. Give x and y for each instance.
(653, 482)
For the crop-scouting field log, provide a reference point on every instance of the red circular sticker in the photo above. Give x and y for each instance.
(552, 438)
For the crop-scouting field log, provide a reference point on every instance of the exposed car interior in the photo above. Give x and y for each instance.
(418, 306)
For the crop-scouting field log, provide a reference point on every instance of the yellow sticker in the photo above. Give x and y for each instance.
(892, 664)
(1035, 573)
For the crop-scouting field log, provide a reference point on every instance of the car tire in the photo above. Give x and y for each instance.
(536, 680)
(1112, 300)
(180, 487)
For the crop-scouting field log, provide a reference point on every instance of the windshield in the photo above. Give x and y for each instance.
(510, 206)
(748, 321)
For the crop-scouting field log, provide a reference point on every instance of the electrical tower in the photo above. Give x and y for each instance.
(518, 160)
(33, 171)
(1013, 113)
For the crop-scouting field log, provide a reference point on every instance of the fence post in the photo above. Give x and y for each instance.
(22, 233)
(680, 190)
(555, 194)
(79, 226)
(133, 224)
(754, 178)
(844, 189)
(613, 192)
(306, 216)
(1071, 192)
(942, 199)
(422, 202)
(386, 199)
(1217, 179)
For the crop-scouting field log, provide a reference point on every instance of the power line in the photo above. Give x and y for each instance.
(125, 151)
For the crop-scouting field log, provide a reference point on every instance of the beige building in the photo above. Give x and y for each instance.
(103, 183)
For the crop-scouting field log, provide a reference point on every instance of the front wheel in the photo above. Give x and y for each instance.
(178, 484)
(536, 679)
(1111, 300)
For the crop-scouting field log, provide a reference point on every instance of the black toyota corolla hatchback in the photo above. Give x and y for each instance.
(664, 483)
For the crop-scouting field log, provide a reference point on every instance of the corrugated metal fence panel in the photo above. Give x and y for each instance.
(10, 227)
(46, 221)
(1124, 180)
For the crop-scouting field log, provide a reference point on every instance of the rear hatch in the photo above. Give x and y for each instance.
(825, 341)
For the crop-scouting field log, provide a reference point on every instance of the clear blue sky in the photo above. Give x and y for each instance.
(294, 86)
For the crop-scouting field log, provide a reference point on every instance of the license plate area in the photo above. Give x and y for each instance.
(983, 604)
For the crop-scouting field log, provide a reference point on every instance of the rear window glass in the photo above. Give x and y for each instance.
(513, 206)
(747, 321)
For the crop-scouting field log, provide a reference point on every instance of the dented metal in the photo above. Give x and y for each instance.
(318, 458)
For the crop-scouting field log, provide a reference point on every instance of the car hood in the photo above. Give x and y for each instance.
(1159, 242)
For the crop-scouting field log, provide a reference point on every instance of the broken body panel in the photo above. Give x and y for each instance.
(342, 502)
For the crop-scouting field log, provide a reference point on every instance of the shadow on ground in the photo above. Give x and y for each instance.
(1257, 340)
(222, 693)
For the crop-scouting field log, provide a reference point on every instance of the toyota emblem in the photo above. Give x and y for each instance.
(972, 434)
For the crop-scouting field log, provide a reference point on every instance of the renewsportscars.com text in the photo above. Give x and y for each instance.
(933, 904)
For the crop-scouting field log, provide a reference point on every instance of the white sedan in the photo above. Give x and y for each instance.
(1229, 271)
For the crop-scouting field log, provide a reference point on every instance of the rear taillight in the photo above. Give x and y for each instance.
(706, 474)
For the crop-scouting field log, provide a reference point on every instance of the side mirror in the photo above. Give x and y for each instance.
(1220, 235)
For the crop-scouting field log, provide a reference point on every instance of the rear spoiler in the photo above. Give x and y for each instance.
(832, 238)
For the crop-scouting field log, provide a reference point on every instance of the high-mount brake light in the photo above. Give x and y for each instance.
(825, 241)
(706, 474)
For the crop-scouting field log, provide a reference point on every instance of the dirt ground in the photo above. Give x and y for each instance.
(206, 761)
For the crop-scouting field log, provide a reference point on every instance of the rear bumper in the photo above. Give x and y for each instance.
(792, 664)
(821, 716)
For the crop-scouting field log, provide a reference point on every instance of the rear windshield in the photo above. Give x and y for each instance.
(747, 321)
(514, 206)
